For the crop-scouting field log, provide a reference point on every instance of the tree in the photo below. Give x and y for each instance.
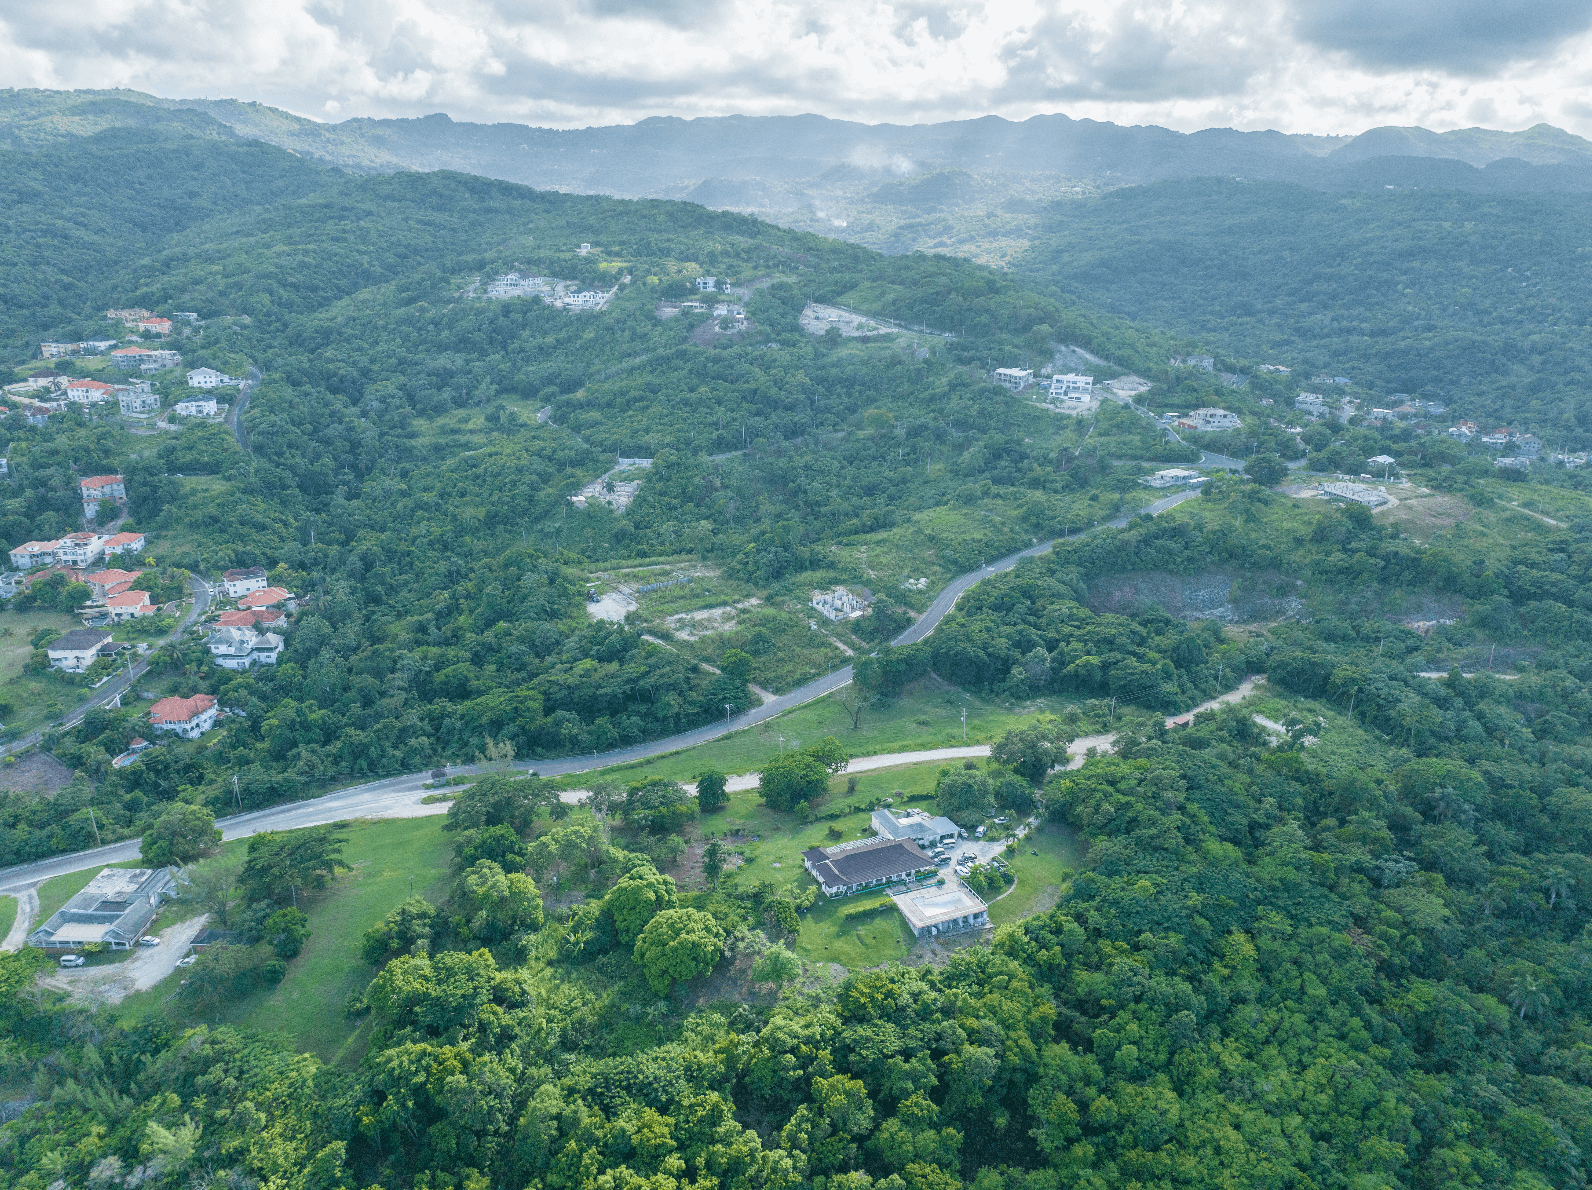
(712, 791)
(285, 932)
(713, 862)
(636, 899)
(1031, 752)
(182, 834)
(406, 930)
(737, 664)
(829, 753)
(678, 944)
(776, 965)
(964, 795)
(215, 884)
(493, 905)
(659, 806)
(499, 800)
(501, 844)
(281, 862)
(1267, 470)
(792, 778)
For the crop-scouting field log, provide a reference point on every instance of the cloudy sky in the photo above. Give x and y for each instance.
(1328, 66)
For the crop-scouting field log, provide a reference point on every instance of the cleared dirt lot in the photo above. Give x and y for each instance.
(147, 966)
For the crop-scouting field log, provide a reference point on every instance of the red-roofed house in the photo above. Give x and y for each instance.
(125, 543)
(266, 598)
(100, 487)
(104, 582)
(245, 617)
(187, 717)
(129, 605)
(156, 325)
(240, 582)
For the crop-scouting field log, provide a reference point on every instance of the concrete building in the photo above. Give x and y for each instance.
(839, 604)
(80, 550)
(1513, 464)
(1015, 379)
(1203, 362)
(1172, 477)
(926, 830)
(77, 650)
(137, 399)
(240, 648)
(113, 910)
(1208, 419)
(871, 863)
(943, 910)
(105, 583)
(707, 284)
(237, 583)
(188, 717)
(197, 407)
(87, 392)
(1358, 492)
(124, 543)
(129, 605)
(266, 598)
(1061, 386)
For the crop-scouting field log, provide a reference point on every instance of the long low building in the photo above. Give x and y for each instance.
(926, 830)
(113, 910)
(872, 863)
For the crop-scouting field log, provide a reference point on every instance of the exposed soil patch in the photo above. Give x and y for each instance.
(1215, 595)
(37, 772)
(937, 951)
(687, 870)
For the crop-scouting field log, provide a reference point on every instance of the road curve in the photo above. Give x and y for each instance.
(398, 797)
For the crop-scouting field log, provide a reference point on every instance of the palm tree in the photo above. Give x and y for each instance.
(1527, 996)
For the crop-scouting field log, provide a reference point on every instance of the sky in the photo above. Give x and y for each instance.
(1321, 66)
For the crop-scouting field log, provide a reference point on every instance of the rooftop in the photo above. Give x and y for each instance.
(180, 710)
(878, 859)
(98, 481)
(78, 639)
(116, 906)
(930, 906)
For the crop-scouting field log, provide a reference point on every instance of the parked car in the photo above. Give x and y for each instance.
(72, 960)
(1002, 820)
(187, 960)
(980, 831)
(149, 940)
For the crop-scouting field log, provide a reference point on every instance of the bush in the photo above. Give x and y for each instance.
(678, 944)
(712, 791)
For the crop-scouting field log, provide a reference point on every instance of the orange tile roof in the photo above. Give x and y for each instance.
(108, 577)
(180, 710)
(123, 539)
(98, 481)
(266, 597)
(128, 599)
(245, 617)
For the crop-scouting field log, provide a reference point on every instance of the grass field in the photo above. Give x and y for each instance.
(8, 915)
(927, 715)
(34, 698)
(306, 1008)
(1040, 877)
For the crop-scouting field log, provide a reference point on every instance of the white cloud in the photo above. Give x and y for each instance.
(1296, 65)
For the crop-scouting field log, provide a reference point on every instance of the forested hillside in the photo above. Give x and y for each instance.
(1478, 301)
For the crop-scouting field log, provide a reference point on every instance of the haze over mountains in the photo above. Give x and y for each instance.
(874, 184)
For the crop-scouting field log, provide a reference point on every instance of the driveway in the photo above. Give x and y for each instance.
(146, 967)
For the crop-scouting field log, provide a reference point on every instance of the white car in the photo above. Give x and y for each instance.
(187, 960)
(1001, 821)
(980, 832)
(72, 960)
(149, 940)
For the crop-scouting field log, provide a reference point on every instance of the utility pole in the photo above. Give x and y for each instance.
(964, 725)
(95, 825)
(236, 795)
(1113, 710)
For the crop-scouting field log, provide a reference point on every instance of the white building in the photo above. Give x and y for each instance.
(240, 648)
(80, 549)
(1172, 477)
(707, 284)
(240, 582)
(197, 407)
(137, 400)
(1061, 386)
(33, 553)
(113, 910)
(1015, 379)
(839, 604)
(77, 650)
(927, 831)
(943, 910)
(1513, 464)
(210, 378)
(188, 717)
(866, 864)
(87, 392)
(129, 605)
(1203, 362)
(585, 300)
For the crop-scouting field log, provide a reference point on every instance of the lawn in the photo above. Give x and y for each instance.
(33, 698)
(306, 1008)
(927, 715)
(1040, 876)
(8, 915)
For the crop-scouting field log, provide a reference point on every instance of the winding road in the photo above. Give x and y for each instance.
(401, 797)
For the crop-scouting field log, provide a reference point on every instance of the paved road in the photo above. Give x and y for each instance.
(396, 797)
(235, 414)
(120, 684)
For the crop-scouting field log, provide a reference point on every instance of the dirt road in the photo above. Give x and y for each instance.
(146, 967)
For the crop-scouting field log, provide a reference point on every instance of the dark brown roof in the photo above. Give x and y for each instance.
(878, 860)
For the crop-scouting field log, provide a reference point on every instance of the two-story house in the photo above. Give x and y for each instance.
(189, 718)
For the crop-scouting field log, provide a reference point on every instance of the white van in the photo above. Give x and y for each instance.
(72, 960)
